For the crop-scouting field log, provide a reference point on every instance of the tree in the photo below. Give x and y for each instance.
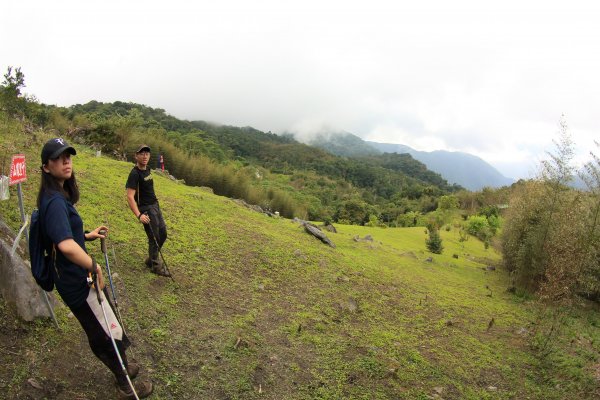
(589, 282)
(13, 83)
(11, 97)
(354, 211)
(434, 241)
(448, 203)
(123, 126)
(542, 229)
(476, 225)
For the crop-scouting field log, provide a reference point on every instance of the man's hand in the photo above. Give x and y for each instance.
(144, 219)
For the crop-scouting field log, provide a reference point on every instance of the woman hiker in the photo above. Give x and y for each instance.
(62, 226)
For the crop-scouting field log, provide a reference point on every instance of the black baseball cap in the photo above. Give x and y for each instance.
(143, 147)
(54, 148)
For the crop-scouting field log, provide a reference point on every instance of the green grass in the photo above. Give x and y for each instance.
(260, 309)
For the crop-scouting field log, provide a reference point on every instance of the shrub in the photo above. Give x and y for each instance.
(476, 225)
(434, 241)
(549, 235)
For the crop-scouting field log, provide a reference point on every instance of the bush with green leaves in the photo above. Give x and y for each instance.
(434, 240)
(494, 223)
(477, 225)
(411, 218)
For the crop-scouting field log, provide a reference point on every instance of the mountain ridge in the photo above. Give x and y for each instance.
(464, 169)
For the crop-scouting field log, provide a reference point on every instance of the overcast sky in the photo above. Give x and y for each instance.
(489, 79)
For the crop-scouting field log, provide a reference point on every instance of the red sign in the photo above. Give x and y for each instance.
(18, 172)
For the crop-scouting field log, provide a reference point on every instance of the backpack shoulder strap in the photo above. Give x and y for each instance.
(45, 240)
(42, 214)
(138, 188)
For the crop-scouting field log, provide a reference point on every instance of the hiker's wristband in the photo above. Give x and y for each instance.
(140, 216)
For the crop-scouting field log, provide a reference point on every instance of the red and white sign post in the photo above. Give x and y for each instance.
(18, 171)
(18, 174)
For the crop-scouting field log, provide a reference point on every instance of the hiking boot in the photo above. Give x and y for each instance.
(133, 368)
(148, 262)
(143, 389)
(159, 270)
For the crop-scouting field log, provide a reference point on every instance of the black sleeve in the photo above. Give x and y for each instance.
(132, 180)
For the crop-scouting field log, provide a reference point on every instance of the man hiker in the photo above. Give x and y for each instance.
(144, 205)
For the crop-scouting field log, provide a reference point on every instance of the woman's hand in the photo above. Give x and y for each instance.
(95, 234)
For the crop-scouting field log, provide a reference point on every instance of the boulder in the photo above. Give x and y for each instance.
(252, 207)
(330, 228)
(367, 238)
(315, 231)
(17, 286)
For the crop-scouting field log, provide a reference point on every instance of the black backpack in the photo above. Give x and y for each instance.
(42, 254)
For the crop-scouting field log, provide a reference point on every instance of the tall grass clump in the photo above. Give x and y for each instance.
(121, 134)
(550, 240)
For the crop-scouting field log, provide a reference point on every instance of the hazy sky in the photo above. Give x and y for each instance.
(491, 80)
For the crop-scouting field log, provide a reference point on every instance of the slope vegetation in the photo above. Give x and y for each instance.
(260, 309)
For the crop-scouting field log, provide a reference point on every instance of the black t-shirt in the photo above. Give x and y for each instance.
(142, 179)
(61, 221)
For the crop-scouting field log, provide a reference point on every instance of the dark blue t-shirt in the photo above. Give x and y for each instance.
(61, 221)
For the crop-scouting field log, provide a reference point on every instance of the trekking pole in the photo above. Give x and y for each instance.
(112, 339)
(112, 285)
(115, 261)
(166, 268)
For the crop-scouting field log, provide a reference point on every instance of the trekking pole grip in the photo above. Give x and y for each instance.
(103, 241)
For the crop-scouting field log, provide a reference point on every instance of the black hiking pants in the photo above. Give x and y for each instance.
(157, 227)
(100, 342)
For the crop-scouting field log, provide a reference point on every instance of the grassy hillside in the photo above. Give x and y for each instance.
(261, 310)
(385, 187)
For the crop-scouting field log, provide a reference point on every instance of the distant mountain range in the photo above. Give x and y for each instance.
(466, 170)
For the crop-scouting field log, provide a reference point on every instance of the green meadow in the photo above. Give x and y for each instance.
(259, 309)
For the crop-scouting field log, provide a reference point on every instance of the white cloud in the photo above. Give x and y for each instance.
(490, 79)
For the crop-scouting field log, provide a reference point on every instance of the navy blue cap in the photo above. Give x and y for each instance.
(54, 148)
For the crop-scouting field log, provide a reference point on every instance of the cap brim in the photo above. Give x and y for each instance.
(58, 152)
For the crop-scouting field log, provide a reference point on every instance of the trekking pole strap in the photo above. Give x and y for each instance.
(110, 279)
(95, 280)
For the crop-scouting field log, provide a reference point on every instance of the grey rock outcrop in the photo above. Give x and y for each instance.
(17, 286)
(316, 232)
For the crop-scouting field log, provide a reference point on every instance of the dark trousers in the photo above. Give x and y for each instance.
(156, 230)
(100, 342)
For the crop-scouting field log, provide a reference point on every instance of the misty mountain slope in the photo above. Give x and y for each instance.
(456, 167)
(459, 168)
(344, 144)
